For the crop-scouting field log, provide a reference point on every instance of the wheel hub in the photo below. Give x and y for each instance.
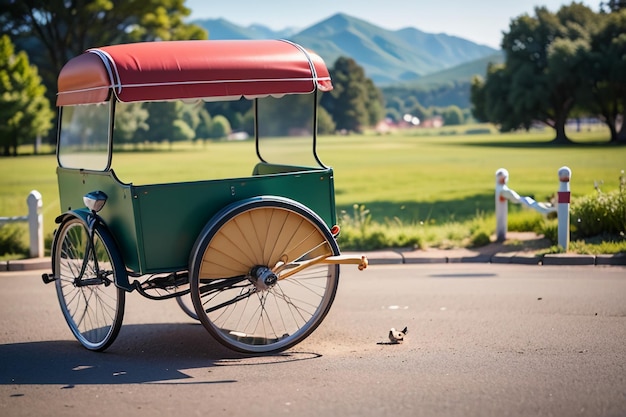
(263, 277)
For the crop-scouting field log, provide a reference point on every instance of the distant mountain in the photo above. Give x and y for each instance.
(451, 86)
(458, 74)
(388, 57)
(223, 29)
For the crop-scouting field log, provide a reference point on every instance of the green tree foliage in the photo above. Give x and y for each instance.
(130, 122)
(325, 123)
(541, 58)
(239, 113)
(247, 122)
(491, 102)
(286, 116)
(613, 5)
(167, 123)
(424, 102)
(375, 103)
(354, 102)
(198, 119)
(479, 97)
(419, 111)
(181, 132)
(604, 70)
(203, 130)
(24, 110)
(220, 127)
(54, 31)
(556, 63)
(403, 98)
(452, 115)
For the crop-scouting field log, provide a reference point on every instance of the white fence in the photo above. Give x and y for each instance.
(504, 194)
(35, 223)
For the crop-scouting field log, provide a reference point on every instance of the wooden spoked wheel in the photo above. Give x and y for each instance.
(256, 283)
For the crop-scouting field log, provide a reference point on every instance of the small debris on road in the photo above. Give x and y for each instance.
(395, 336)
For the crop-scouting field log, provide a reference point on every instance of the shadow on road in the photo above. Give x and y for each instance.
(141, 354)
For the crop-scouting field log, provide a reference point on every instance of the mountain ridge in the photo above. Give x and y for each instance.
(388, 57)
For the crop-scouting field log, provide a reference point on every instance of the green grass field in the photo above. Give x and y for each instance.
(415, 177)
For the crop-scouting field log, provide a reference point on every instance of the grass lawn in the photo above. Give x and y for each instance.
(414, 176)
(445, 178)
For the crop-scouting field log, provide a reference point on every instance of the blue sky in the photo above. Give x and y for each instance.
(481, 21)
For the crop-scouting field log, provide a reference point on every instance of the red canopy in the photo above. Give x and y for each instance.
(158, 71)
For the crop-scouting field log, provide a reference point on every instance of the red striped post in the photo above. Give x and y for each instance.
(563, 199)
(502, 205)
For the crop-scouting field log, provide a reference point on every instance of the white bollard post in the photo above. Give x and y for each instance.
(35, 224)
(502, 205)
(563, 207)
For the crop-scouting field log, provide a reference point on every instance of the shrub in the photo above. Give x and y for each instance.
(480, 238)
(599, 245)
(550, 230)
(600, 213)
(12, 241)
(47, 244)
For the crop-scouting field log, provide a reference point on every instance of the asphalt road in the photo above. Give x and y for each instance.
(483, 340)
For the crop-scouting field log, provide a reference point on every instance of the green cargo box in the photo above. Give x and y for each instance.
(156, 226)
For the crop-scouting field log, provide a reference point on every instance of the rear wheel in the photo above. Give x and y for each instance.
(185, 304)
(85, 283)
(255, 283)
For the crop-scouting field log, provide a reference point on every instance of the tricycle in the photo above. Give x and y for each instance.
(253, 258)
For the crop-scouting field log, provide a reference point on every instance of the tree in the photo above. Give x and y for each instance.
(220, 127)
(564, 61)
(285, 116)
(375, 103)
(130, 122)
(612, 6)
(181, 132)
(24, 110)
(491, 102)
(190, 114)
(479, 98)
(540, 79)
(166, 122)
(395, 108)
(56, 30)
(419, 111)
(203, 130)
(605, 70)
(353, 103)
(325, 123)
(452, 115)
(239, 113)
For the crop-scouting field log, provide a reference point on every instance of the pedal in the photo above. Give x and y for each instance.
(48, 278)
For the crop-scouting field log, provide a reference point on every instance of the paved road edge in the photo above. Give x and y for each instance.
(390, 257)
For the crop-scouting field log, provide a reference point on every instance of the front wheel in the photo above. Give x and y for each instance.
(85, 283)
(256, 283)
